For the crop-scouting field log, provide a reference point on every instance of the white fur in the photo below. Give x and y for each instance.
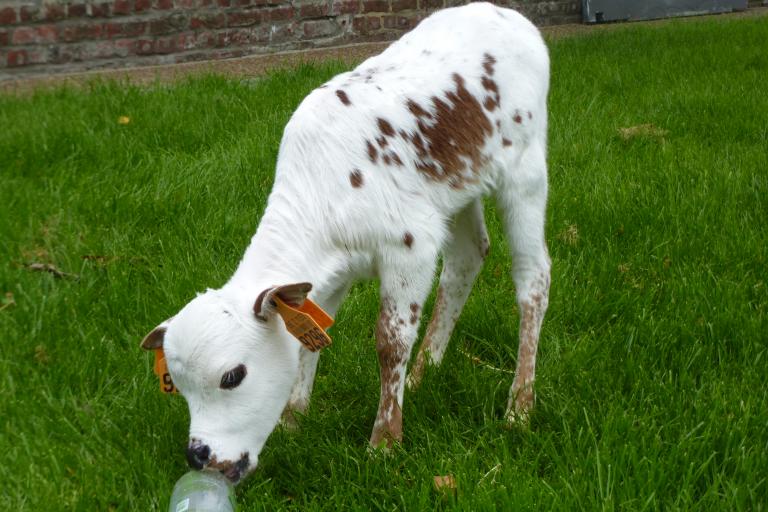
(318, 228)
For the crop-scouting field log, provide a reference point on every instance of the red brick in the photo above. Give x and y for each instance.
(124, 29)
(170, 23)
(373, 23)
(165, 45)
(192, 41)
(366, 24)
(431, 4)
(76, 10)
(142, 5)
(319, 28)
(7, 16)
(409, 22)
(279, 14)
(80, 32)
(314, 9)
(389, 22)
(223, 3)
(281, 34)
(64, 53)
(145, 47)
(403, 5)
(34, 35)
(185, 41)
(121, 7)
(206, 39)
(100, 10)
(208, 20)
(5, 38)
(245, 36)
(54, 12)
(344, 7)
(28, 13)
(375, 6)
(99, 50)
(358, 24)
(163, 4)
(16, 58)
(185, 4)
(243, 18)
(126, 46)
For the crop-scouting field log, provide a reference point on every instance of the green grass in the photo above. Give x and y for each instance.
(652, 368)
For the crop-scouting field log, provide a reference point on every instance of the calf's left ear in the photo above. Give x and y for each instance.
(155, 338)
(293, 294)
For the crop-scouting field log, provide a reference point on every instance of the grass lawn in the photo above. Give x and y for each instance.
(652, 371)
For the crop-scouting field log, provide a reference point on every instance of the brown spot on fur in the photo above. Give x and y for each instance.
(385, 127)
(488, 62)
(418, 143)
(343, 97)
(393, 357)
(408, 239)
(356, 178)
(498, 124)
(234, 470)
(506, 142)
(372, 153)
(517, 119)
(386, 159)
(530, 116)
(457, 135)
(415, 309)
(522, 386)
(415, 109)
(396, 159)
(382, 142)
(489, 85)
(490, 104)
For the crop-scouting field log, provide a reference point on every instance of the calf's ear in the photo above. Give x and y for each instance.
(293, 294)
(155, 338)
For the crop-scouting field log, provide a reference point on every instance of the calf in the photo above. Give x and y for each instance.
(380, 170)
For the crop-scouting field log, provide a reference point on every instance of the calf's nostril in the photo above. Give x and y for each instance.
(198, 455)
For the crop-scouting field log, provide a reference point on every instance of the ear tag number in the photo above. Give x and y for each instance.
(161, 370)
(306, 323)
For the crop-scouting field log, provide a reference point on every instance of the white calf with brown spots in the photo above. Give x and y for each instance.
(380, 171)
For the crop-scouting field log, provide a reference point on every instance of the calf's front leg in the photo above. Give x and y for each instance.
(404, 288)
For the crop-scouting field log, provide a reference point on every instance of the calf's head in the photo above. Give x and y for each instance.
(235, 363)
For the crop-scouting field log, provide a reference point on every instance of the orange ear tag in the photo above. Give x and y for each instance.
(161, 370)
(306, 323)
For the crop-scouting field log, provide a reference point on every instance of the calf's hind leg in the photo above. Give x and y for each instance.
(463, 257)
(522, 201)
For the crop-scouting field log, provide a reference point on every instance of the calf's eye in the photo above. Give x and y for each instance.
(233, 377)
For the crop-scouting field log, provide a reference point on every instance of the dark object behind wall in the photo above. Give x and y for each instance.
(600, 11)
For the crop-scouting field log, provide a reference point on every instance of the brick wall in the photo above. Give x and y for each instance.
(47, 36)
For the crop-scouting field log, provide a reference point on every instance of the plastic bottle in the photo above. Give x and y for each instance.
(203, 491)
